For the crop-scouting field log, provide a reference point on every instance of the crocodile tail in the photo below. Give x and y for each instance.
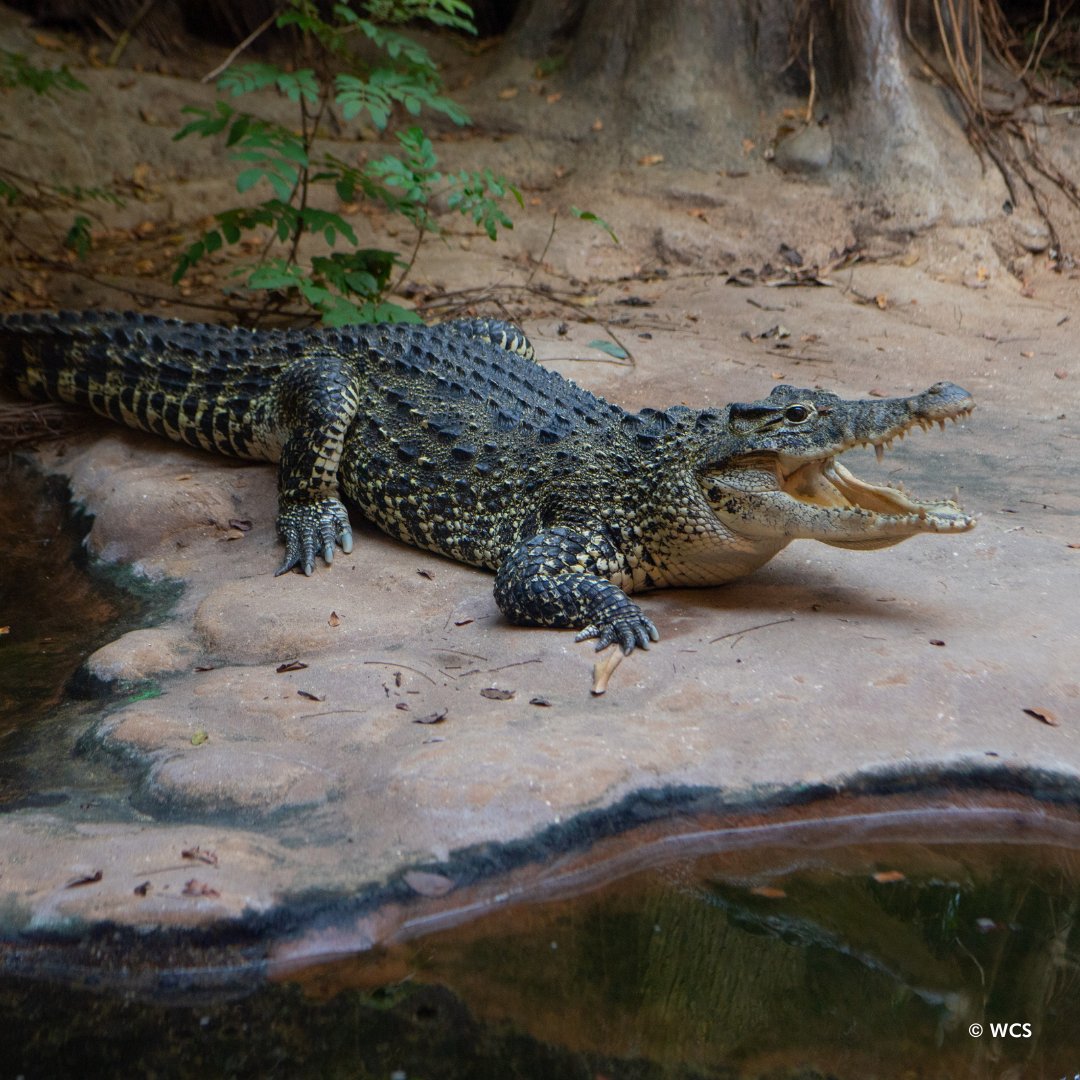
(207, 386)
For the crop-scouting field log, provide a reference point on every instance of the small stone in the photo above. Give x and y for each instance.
(1031, 233)
(808, 150)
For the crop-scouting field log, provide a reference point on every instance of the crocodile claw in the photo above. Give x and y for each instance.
(309, 528)
(630, 629)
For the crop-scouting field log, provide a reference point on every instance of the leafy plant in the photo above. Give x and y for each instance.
(343, 286)
(16, 71)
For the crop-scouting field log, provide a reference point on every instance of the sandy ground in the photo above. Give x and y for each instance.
(942, 656)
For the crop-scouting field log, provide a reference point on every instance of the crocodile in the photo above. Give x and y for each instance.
(452, 438)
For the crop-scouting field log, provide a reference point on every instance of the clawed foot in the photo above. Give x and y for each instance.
(312, 527)
(630, 629)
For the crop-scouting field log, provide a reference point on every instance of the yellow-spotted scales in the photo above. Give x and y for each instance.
(452, 438)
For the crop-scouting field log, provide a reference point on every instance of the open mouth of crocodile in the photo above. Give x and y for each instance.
(826, 483)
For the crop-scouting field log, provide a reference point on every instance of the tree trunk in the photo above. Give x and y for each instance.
(812, 86)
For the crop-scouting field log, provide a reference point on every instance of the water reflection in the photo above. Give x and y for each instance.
(806, 955)
(860, 961)
(56, 607)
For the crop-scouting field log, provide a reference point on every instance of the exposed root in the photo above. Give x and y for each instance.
(25, 424)
(975, 36)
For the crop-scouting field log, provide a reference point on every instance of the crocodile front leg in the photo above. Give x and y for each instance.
(555, 579)
(316, 399)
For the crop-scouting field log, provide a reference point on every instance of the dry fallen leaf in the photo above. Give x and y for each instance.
(598, 124)
(143, 889)
(604, 668)
(432, 718)
(650, 159)
(199, 888)
(887, 877)
(881, 300)
(1061, 373)
(541, 701)
(937, 641)
(86, 879)
(309, 696)
(47, 41)
(197, 854)
(496, 694)
(508, 92)
(1045, 715)
(334, 620)
(7, 629)
(770, 892)
(290, 665)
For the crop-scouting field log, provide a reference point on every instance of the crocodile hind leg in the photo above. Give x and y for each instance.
(555, 579)
(317, 399)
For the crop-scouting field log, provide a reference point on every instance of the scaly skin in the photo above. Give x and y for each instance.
(451, 438)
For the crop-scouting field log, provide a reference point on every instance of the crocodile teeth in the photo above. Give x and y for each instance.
(879, 451)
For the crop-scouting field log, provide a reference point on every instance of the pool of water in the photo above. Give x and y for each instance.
(56, 607)
(918, 959)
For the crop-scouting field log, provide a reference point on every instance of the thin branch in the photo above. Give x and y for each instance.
(257, 32)
(543, 254)
(125, 36)
(748, 629)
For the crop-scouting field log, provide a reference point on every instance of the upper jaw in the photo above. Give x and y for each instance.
(881, 422)
(823, 481)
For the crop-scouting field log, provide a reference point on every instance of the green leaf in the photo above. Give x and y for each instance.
(588, 215)
(283, 184)
(78, 237)
(17, 71)
(610, 348)
(256, 75)
(10, 193)
(314, 220)
(210, 122)
(248, 179)
(187, 260)
(274, 274)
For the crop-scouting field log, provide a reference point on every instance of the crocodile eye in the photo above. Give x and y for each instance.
(796, 414)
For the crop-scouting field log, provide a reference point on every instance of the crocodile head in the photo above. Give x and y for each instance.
(779, 478)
